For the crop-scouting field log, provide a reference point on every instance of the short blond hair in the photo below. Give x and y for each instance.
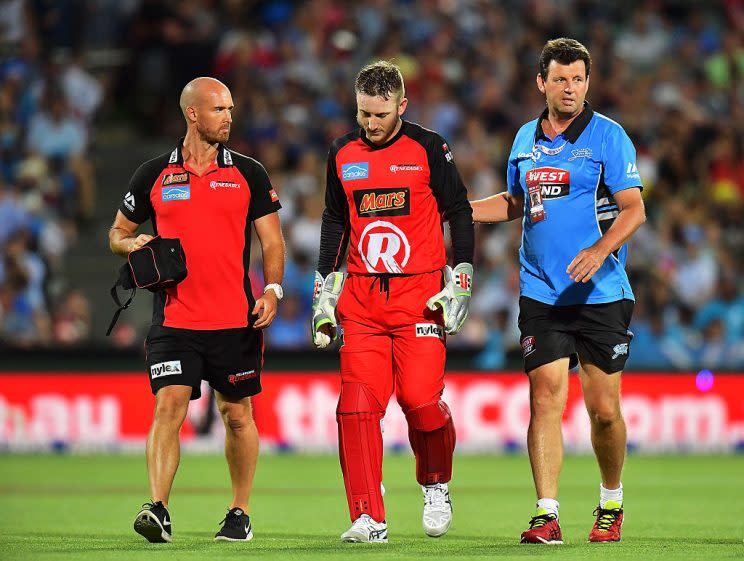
(381, 78)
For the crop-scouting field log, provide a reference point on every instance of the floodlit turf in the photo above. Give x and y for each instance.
(82, 507)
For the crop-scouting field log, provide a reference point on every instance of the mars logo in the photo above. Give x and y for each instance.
(175, 178)
(553, 182)
(383, 244)
(382, 202)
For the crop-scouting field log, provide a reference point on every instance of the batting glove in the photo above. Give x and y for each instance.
(325, 298)
(454, 298)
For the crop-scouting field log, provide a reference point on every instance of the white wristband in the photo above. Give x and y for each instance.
(277, 288)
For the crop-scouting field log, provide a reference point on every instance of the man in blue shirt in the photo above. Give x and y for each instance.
(572, 178)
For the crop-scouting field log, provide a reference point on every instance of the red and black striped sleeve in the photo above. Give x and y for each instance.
(335, 228)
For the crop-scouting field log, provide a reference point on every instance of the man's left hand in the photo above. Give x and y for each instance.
(454, 298)
(265, 309)
(586, 263)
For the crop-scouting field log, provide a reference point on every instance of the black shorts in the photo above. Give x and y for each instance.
(229, 359)
(595, 333)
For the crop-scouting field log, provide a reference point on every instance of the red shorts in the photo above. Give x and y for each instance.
(392, 341)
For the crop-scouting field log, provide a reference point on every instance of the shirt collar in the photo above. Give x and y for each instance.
(574, 130)
(224, 156)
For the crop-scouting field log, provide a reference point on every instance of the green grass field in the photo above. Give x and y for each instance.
(82, 507)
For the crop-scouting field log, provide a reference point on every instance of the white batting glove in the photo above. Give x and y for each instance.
(325, 298)
(454, 298)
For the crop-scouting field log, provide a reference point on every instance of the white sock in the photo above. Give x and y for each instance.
(551, 505)
(610, 495)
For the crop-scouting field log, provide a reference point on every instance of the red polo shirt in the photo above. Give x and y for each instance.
(211, 214)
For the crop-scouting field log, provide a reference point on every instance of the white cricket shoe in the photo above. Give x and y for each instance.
(365, 530)
(437, 509)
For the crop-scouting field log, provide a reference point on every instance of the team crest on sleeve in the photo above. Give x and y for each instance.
(273, 195)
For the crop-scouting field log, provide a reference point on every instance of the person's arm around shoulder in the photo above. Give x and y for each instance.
(123, 238)
(501, 207)
(269, 232)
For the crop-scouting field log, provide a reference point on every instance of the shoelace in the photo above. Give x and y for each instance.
(605, 517)
(539, 521)
(364, 521)
(436, 497)
(231, 520)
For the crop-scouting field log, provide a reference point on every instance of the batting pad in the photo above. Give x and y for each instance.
(360, 450)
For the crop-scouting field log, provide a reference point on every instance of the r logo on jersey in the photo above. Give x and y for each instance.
(384, 248)
(554, 182)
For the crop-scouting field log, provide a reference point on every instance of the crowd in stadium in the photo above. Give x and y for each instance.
(672, 76)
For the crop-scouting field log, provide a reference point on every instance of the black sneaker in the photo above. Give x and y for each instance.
(236, 527)
(154, 522)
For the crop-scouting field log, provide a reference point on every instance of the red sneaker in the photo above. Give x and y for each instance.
(544, 528)
(608, 524)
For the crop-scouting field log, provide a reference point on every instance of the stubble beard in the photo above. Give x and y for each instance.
(213, 137)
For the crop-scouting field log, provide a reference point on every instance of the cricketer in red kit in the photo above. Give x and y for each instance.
(390, 186)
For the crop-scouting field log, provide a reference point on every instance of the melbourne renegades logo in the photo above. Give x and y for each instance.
(384, 247)
(240, 376)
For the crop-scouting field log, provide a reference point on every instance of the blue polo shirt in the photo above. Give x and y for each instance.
(578, 172)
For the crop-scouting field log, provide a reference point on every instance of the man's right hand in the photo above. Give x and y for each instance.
(325, 298)
(139, 241)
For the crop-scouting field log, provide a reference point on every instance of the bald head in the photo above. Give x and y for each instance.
(207, 106)
(200, 90)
